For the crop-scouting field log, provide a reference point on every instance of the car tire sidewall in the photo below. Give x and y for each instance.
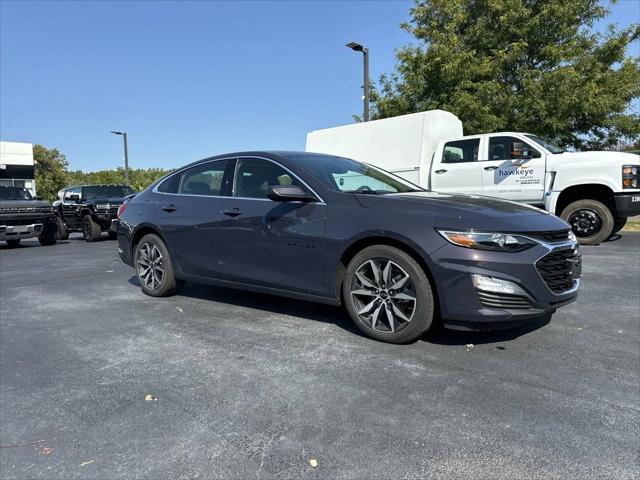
(423, 317)
(169, 284)
(63, 233)
(49, 235)
(93, 227)
(606, 219)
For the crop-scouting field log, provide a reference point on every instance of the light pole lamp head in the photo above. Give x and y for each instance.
(356, 47)
(117, 133)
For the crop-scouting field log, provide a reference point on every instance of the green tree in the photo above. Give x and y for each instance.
(524, 65)
(50, 171)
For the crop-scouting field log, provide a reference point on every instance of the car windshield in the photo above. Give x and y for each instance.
(548, 145)
(96, 191)
(346, 175)
(14, 193)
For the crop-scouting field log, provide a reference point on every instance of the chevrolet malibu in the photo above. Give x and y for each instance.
(401, 259)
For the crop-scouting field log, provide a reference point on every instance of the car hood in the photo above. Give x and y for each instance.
(458, 211)
(24, 204)
(597, 157)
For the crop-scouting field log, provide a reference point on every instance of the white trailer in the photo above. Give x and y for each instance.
(594, 192)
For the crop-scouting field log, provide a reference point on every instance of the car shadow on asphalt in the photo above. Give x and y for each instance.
(338, 316)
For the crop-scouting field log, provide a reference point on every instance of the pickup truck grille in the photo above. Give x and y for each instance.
(19, 210)
(557, 269)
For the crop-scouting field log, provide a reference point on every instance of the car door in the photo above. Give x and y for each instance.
(71, 209)
(274, 244)
(456, 168)
(189, 214)
(513, 169)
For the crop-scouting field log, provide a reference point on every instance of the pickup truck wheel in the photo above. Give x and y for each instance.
(590, 220)
(90, 229)
(113, 236)
(154, 268)
(13, 243)
(63, 233)
(388, 295)
(49, 235)
(618, 224)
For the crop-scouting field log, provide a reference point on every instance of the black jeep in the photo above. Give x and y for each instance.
(22, 216)
(89, 209)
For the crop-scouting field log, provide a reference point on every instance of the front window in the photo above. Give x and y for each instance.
(548, 145)
(96, 191)
(14, 193)
(346, 175)
(254, 176)
(510, 148)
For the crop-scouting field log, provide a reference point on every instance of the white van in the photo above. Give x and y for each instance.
(594, 192)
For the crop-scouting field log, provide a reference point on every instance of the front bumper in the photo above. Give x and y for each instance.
(627, 204)
(462, 306)
(15, 232)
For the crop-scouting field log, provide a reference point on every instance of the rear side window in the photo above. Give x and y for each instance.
(461, 151)
(205, 179)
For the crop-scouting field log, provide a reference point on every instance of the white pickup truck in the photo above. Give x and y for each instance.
(594, 192)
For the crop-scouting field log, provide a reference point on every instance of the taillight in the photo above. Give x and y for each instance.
(121, 209)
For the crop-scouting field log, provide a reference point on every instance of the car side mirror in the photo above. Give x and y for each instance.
(288, 193)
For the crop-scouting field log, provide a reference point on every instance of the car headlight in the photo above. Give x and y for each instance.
(497, 242)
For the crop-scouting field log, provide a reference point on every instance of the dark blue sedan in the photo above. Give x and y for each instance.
(329, 229)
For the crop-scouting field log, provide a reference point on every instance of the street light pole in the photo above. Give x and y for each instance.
(356, 47)
(126, 157)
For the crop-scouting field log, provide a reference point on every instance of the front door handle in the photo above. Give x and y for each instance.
(232, 212)
(488, 169)
(440, 171)
(169, 208)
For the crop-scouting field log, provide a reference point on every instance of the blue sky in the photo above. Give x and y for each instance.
(190, 79)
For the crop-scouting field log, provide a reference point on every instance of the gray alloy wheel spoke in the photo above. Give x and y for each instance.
(376, 272)
(150, 266)
(399, 313)
(365, 281)
(403, 296)
(391, 292)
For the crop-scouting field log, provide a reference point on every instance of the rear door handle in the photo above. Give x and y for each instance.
(232, 212)
(441, 171)
(169, 208)
(490, 168)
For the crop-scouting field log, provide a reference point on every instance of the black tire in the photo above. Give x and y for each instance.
(49, 235)
(389, 303)
(590, 220)
(13, 243)
(618, 224)
(90, 229)
(167, 284)
(63, 233)
(113, 236)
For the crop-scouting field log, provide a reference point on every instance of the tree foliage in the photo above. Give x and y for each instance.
(52, 174)
(523, 65)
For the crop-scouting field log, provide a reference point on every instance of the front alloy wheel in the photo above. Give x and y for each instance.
(384, 295)
(388, 294)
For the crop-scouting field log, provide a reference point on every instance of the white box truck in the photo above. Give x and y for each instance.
(594, 192)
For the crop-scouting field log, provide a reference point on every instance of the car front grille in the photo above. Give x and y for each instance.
(503, 300)
(25, 210)
(557, 269)
(553, 236)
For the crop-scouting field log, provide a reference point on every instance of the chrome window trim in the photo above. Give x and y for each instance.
(155, 189)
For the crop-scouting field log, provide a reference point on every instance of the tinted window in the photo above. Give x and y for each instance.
(510, 148)
(96, 191)
(461, 151)
(204, 179)
(71, 191)
(254, 176)
(170, 185)
(14, 193)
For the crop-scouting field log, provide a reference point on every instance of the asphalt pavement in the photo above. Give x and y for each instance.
(98, 380)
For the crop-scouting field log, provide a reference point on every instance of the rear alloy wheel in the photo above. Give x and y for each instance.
(590, 220)
(90, 229)
(388, 295)
(154, 268)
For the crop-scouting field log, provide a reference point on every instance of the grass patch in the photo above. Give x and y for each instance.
(633, 224)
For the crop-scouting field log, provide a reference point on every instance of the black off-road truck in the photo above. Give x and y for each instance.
(22, 216)
(89, 209)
